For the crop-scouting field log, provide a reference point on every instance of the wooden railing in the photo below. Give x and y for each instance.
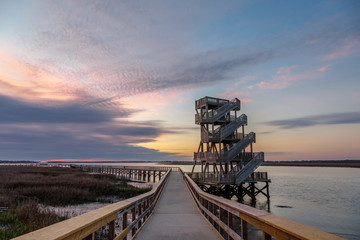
(231, 219)
(129, 215)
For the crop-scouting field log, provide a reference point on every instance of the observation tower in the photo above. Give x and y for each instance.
(228, 162)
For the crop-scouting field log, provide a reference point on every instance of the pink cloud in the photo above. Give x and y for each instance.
(324, 68)
(232, 93)
(351, 46)
(286, 77)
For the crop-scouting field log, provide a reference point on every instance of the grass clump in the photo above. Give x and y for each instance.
(25, 217)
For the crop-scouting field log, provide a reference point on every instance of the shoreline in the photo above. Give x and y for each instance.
(355, 164)
(343, 165)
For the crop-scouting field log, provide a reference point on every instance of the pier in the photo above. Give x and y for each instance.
(176, 208)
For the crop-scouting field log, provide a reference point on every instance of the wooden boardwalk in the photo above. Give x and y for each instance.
(176, 215)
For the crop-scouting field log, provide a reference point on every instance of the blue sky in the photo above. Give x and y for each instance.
(117, 80)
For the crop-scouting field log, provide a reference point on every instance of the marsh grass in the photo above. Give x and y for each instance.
(23, 188)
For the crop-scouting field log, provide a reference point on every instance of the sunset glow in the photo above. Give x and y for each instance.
(100, 81)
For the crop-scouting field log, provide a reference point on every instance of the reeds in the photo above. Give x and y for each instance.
(23, 188)
(59, 186)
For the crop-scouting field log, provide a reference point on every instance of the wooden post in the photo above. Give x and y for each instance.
(244, 232)
(144, 209)
(90, 237)
(213, 211)
(147, 207)
(133, 213)
(266, 236)
(124, 225)
(230, 224)
(221, 215)
(252, 189)
(139, 215)
(111, 230)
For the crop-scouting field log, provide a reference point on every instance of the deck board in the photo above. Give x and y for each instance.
(176, 216)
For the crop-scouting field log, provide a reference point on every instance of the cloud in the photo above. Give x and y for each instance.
(32, 82)
(114, 140)
(133, 53)
(13, 111)
(287, 76)
(232, 93)
(350, 46)
(71, 130)
(324, 68)
(325, 119)
(37, 144)
(66, 84)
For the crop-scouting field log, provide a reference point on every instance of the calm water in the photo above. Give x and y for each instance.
(321, 197)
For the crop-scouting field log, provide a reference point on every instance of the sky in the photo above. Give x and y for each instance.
(117, 80)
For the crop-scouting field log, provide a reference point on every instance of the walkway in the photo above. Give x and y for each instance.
(176, 215)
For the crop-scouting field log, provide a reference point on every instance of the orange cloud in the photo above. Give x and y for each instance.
(31, 83)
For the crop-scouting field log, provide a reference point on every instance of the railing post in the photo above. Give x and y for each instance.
(90, 237)
(144, 209)
(266, 236)
(124, 225)
(111, 230)
(221, 215)
(147, 207)
(230, 223)
(213, 211)
(140, 220)
(244, 232)
(133, 213)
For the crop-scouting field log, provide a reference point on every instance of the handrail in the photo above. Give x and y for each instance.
(156, 168)
(236, 149)
(233, 125)
(85, 225)
(214, 209)
(249, 168)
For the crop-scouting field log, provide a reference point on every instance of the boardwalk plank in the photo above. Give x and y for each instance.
(176, 216)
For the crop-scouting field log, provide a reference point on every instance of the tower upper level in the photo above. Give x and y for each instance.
(214, 110)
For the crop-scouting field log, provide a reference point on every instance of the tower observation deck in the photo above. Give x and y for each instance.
(225, 150)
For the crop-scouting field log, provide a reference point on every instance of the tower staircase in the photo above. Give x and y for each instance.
(223, 140)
